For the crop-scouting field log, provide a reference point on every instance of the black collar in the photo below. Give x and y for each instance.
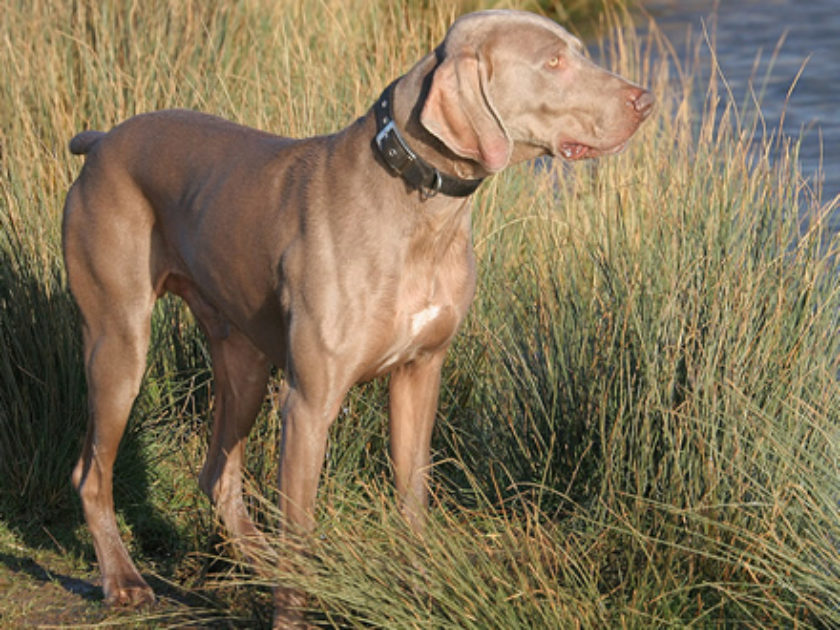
(416, 172)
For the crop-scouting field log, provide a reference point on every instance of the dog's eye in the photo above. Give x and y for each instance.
(555, 61)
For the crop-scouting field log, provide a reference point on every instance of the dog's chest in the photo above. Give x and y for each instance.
(421, 319)
(417, 331)
(419, 307)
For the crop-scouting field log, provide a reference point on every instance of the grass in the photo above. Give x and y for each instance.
(638, 424)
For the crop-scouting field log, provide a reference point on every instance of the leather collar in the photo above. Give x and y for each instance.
(403, 161)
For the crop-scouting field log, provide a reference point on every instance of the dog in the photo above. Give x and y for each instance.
(337, 259)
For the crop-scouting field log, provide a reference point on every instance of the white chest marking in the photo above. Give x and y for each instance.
(421, 319)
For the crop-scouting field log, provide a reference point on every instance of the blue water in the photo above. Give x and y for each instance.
(746, 28)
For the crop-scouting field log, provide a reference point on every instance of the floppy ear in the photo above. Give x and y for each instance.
(459, 113)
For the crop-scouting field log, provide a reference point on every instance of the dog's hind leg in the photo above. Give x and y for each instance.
(111, 281)
(240, 373)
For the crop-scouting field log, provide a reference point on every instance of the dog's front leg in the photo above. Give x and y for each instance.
(414, 391)
(305, 428)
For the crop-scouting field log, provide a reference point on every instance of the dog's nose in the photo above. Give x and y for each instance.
(642, 101)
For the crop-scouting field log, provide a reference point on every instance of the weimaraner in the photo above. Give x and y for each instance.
(337, 258)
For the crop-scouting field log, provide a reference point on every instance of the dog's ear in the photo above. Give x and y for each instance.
(459, 112)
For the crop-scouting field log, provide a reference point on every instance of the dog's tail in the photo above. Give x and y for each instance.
(83, 142)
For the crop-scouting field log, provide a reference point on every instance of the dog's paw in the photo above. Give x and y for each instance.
(129, 595)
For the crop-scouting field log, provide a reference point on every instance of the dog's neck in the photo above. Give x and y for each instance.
(409, 97)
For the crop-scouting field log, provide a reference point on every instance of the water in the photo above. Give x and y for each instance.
(745, 28)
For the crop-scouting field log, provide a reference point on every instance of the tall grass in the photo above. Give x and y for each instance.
(638, 423)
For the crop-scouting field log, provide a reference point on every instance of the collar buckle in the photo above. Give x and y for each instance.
(397, 154)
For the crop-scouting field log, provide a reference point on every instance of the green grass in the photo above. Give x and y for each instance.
(638, 423)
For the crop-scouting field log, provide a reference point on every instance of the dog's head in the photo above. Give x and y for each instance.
(512, 85)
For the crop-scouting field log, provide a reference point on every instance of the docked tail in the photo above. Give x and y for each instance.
(83, 142)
